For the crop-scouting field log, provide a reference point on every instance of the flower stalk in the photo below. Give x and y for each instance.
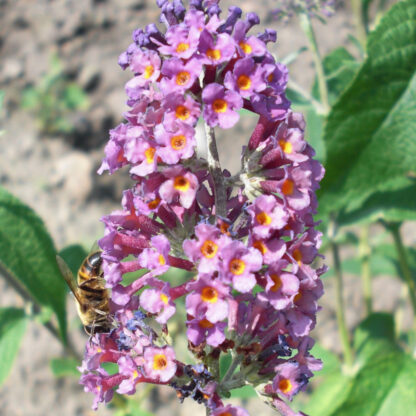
(364, 255)
(306, 25)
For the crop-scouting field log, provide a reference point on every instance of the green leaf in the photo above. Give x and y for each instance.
(383, 382)
(374, 335)
(329, 395)
(331, 362)
(244, 392)
(27, 256)
(340, 68)
(383, 387)
(370, 131)
(74, 255)
(12, 329)
(63, 367)
(398, 205)
(314, 133)
(225, 362)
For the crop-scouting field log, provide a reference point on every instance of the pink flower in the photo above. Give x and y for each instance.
(159, 363)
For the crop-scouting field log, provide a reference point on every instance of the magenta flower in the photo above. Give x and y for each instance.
(246, 78)
(146, 65)
(202, 330)
(238, 265)
(221, 106)
(207, 297)
(267, 215)
(215, 51)
(176, 144)
(158, 301)
(178, 75)
(207, 248)
(159, 363)
(181, 186)
(180, 108)
(290, 379)
(182, 42)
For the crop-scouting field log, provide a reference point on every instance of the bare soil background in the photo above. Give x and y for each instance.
(56, 175)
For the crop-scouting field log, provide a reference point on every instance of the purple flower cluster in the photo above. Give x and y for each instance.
(255, 288)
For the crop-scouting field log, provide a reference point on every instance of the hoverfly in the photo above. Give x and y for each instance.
(90, 292)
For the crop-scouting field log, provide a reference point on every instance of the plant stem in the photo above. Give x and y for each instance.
(306, 26)
(216, 173)
(361, 20)
(364, 254)
(305, 94)
(229, 374)
(340, 307)
(404, 266)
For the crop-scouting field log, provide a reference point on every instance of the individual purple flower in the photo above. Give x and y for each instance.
(267, 215)
(181, 186)
(290, 378)
(182, 42)
(201, 329)
(128, 368)
(179, 75)
(207, 297)
(146, 65)
(175, 144)
(215, 51)
(157, 257)
(251, 46)
(207, 248)
(270, 105)
(221, 106)
(158, 301)
(180, 108)
(276, 75)
(271, 249)
(159, 363)
(238, 265)
(246, 78)
(281, 287)
(101, 385)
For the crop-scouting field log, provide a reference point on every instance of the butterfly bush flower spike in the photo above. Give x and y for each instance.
(248, 241)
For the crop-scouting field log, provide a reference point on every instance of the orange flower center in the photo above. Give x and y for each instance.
(298, 297)
(286, 146)
(225, 414)
(181, 183)
(153, 204)
(237, 266)
(209, 294)
(182, 47)
(209, 249)
(162, 260)
(277, 282)
(297, 255)
(150, 153)
(244, 82)
(178, 142)
(219, 105)
(148, 71)
(260, 246)
(214, 54)
(182, 112)
(164, 298)
(183, 77)
(204, 323)
(285, 386)
(246, 47)
(263, 219)
(287, 187)
(160, 362)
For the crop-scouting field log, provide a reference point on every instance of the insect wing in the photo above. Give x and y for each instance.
(68, 276)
